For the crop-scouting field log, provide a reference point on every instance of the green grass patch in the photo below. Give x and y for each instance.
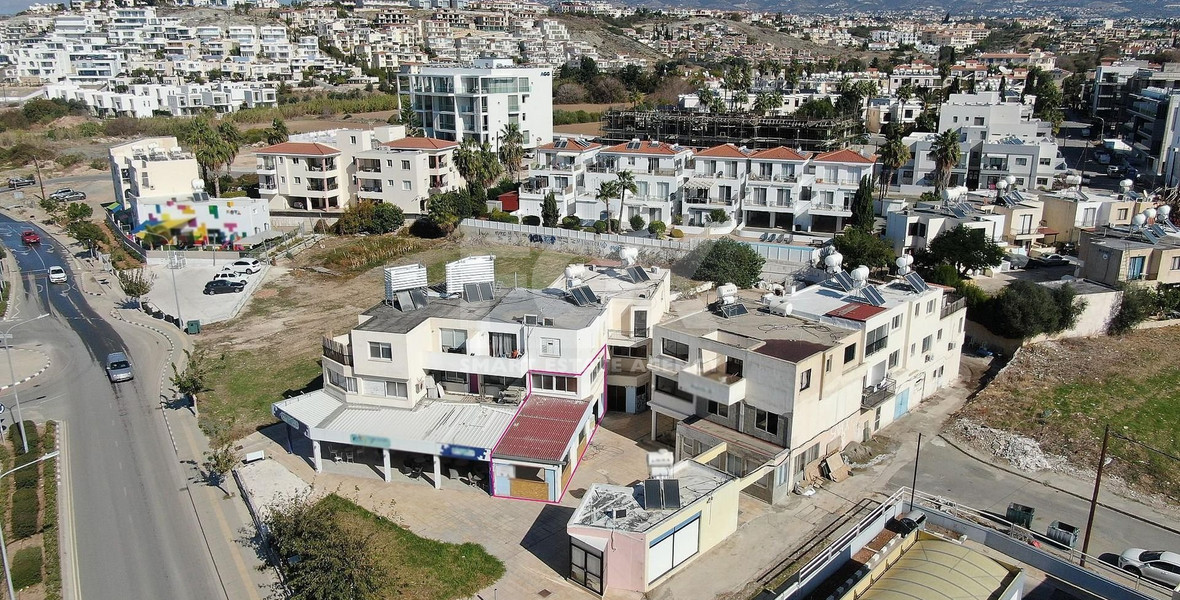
(26, 568)
(49, 517)
(365, 252)
(515, 265)
(246, 382)
(421, 568)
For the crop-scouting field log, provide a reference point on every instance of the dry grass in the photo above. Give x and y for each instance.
(1063, 394)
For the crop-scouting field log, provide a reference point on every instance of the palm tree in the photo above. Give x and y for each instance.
(625, 183)
(946, 153)
(511, 149)
(607, 190)
(208, 149)
(476, 162)
(231, 142)
(894, 154)
(278, 132)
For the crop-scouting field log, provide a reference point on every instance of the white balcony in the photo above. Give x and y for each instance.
(715, 385)
(484, 365)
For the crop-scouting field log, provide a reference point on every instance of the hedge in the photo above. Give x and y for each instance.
(26, 478)
(49, 517)
(26, 568)
(34, 440)
(25, 506)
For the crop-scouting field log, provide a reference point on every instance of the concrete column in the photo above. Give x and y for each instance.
(315, 454)
(437, 473)
(388, 471)
(654, 414)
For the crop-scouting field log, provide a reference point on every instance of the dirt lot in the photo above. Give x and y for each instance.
(1062, 394)
(593, 129)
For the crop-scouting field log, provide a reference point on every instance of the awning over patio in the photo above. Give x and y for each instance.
(699, 184)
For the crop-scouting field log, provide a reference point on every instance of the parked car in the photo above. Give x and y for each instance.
(20, 182)
(68, 195)
(119, 368)
(30, 237)
(1049, 260)
(1102, 158)
(248, 266)
(224, 286)
(229, 276)
(57, 275)
(1161, 567)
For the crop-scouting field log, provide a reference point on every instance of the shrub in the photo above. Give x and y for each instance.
(637, 223)
(718, 215)
(599, 226)
(26, 568)
(531, 220)
(234, 194)
(99, 164)
(31, 432)
(571, 222)
(657, 228)
(1136, 305)
(730, 261)
(25, 506)
(26, 478)
(676, 233)
(678, 220)
(69, 160)
(503, 217)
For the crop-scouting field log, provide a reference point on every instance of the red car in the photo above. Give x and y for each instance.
(30, 237)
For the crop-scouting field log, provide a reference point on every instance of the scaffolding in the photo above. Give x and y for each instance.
(689, 128)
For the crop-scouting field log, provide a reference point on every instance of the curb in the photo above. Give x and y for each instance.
(48, 363)
(1026, 476)
(171, 353)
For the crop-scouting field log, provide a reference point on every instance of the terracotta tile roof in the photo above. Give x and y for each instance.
(299, 148)
(780, 153)
(571, 145)
(723, 151)
(856, 311)
(845, 156)
(649, 147)
(542, 429)
(420, 143)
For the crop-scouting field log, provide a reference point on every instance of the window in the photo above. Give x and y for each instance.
(406, 185)
(668, 386)
(930, 307)
(1044, 162)
(453, 340)
(926, 342)
(1022, 161)
(765, 421)
(352, 139)
(380, 351)
(939, 337)
(298, 180)
(347, 384)
(628, 351)
(377, 387)
(555, 383)
(294, 161)
(1175, 263)
(675, 349)
(828, 365)
(781, 474)
(502, 345)
(405, 165)
(454, 377)
(716, 408)
(805, 380)
(850, 353)
(1042, 181)
(897, 321)
(894, 358)
(550, 347)
(917, 308)
(586, 566)
(734, 465)
(1123, 213)
(979, 120)
(917, 229)
(876, 340)
(389, 163)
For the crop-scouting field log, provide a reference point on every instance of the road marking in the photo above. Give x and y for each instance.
(71, 542)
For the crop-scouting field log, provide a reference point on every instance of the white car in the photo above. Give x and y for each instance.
(229, 276)
(1161, 567)
(57, 275)
(248, 266)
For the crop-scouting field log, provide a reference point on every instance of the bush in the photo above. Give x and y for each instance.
(730, 261)
(31, 432)
(69, 160)
(26, 478)
(657, 228)
(26, 568)
(718, 215)
(678, 220)
(1136, 305)
(676, 233)
(600, 226)
(25, 506)
(637, 223)
(503, 217)
(531, 220)
(99, 164)
(571, 222)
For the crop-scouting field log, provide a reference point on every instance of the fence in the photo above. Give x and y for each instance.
(573, 234)
(126, 240)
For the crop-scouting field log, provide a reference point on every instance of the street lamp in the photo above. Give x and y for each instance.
(16, 395)
(3, 546)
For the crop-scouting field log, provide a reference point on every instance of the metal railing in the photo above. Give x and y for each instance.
(875, 395)
(336, 351)
(637, 333)
(952, 307)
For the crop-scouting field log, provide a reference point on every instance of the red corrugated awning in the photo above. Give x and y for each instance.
(856, 311)
(542, 429)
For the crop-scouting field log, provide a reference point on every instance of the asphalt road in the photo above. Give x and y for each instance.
(136, 531)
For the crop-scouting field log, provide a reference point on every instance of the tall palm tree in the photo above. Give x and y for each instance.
(894, 155)
(607, 190)
(946, 153)
(206, 145)
(231, 142)
(625, 183)
(512, 149)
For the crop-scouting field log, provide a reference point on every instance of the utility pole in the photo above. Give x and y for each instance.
(1094, 499)
(917, 455)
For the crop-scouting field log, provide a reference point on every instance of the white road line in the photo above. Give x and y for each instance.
(70, 544)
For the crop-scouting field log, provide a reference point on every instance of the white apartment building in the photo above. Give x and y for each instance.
(912, 228)
(786, 394)
(478, 101)
(405, 172)
(507, 380)
(661, 171)
(144, 100)
(560, 169)
(718, 183)
(915, 75)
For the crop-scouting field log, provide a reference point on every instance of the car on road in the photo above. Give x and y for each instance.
(57, 275)
(1156, 565)
(29, 236)
(248, 266)
(68, 195)
(224, 286)
(20, 182)
(119, 368)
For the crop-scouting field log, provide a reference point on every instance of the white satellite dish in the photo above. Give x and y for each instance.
(834, 261)
(860, 275)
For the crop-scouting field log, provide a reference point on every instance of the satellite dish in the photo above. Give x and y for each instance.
(1001, 185)
(1011, 179)
(198, 184)
(1138, 220)
(900, 262)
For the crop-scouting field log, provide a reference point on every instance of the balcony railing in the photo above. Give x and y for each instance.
(336, 351)
(636, 333)
(776, 177)
(951, 308)
(830, 206)
(876, 394)
(371, 189)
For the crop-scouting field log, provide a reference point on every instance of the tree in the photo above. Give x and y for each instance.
(863, 247)
(1071, 90)
(219, 462)
(410, 118)
(208, 148)
(905, 92)
(625, 182)
(78, 211)
(512, 149)
(277, 133)
(136, 283)
(946, 153)
(730, 261)
(816, 108)
(894, 155)
(1136, 304)
(231, 142)
(549, 212)
(637, 222)
(863, 215)
(88, 233)
(1025, 309)
(193, 379)
(476, 162)
(964, 248)
(387, 218)
(607, 190)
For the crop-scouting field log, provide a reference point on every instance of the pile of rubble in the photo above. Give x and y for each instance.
(1020, 451)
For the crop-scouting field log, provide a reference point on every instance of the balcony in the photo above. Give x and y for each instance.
(950, 308)
(638, 333)
(337, 351)
(368, 168)
(832, 207)
(266, 166)
(714, 384)
(512, 367)
(874, 395)
(774, 178)
(371, 189)
(994, 167)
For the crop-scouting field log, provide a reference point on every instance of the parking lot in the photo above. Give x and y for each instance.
(185, 287)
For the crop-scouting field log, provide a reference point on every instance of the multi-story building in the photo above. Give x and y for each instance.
(783, 394)
(479, 101)
(718, 184)
(837, 176)
(560, 169)
(302, 176)
(661, 171)
(780, 190)
(915, 75)
(1069, 212)
(406, 172)
(914, 227)
(1120, 255)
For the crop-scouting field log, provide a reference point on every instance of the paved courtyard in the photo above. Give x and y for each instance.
(189, 282)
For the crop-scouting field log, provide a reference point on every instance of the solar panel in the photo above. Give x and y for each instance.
(419, 298)
(872, 295)
(633, 145)
(671, 493)
(1159, 231)
(733, 310)
(471, 292)
(844, 280)
(653, 496)
(589, 293)
(638, 274)
(404, 302)
(958, 212)
(583, 295)
(915, 280)
(560, 143)
(485, 290)
(1151, 237)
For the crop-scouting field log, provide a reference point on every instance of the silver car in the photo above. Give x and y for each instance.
(1161, 567)
(119, 368)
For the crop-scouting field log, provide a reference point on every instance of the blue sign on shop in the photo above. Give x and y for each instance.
(293, 422)
(464, 452)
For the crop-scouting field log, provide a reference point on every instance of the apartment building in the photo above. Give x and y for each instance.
(560, 168)
(1069, 212)
(661, 172)
(405, 172)
(912, 228)
(779, 190)
(1023, 218)
(145, 100)
(718, 183)
(479, 101)
(784, 394)
(508, 380)
(1146, 252)
(837, 177)
(915, 75)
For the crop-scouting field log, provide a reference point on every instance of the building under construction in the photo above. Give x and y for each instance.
(689, 128)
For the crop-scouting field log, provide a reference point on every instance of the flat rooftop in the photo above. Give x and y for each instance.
(828, 299)
(602, 501)
(508, 305)
(615, 282)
